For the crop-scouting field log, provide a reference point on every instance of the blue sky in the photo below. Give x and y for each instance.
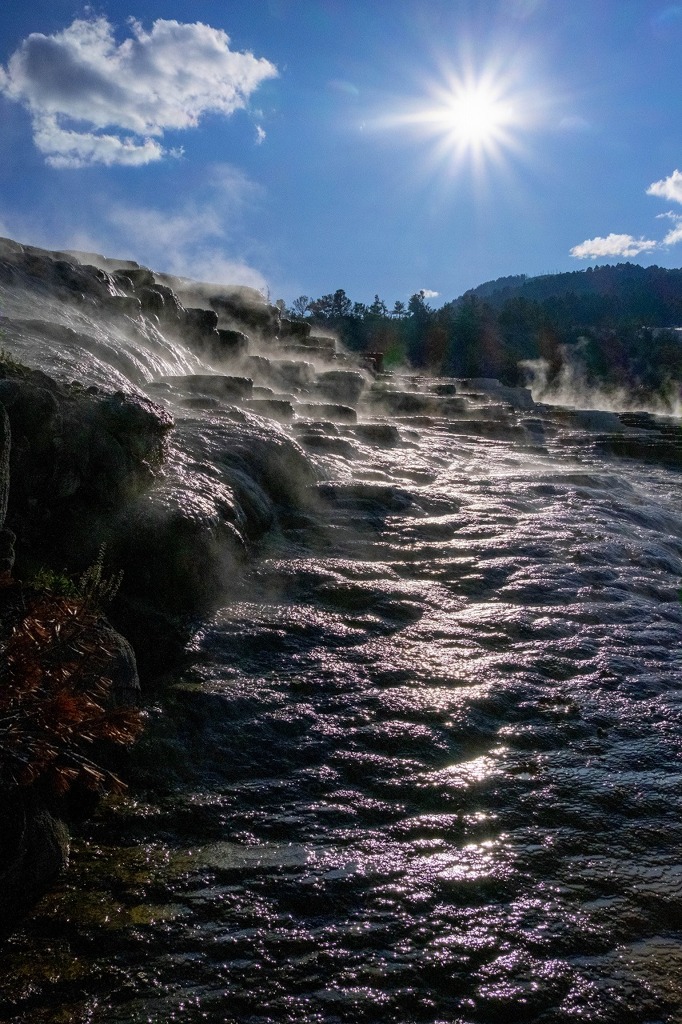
(306, 145)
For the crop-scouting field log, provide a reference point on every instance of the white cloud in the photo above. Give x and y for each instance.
(668, 188)
(69, 148)
(260, 134)
(95, 101)
(674, 235)
(428, 293)
(612, 245)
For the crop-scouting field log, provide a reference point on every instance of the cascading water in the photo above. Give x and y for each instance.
(426, 762)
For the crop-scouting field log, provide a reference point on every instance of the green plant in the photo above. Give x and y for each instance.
(51, 582)
(96, 589)
(10, 364)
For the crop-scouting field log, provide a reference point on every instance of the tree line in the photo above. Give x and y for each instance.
(615, 322)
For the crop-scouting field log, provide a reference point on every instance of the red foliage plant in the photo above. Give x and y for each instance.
(53, 699)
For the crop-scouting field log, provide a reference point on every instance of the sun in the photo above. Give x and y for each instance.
(469, 116)
(475, 116)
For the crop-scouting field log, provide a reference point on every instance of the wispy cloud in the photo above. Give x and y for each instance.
(95, 101)
(612, 245)
(196, 238)
(202, 238)
(574, 123)
(429, 293)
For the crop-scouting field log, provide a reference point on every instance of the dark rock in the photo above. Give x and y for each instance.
(34, 849)
(256, 366)
(323, 411)
(369, 497)
(383, 434)
(321, 341)
(55, 273)
(5, 439)
(139, 277)
(404, 402)
(232, 343)
(298, 329)
(275, 408)
(306, 352)
(123, 280)
(200, 323)
(261, 318)
(330, 444)
(8, 247)
(519, 398)
(74, 456)
(453, 406)
(179, 549)
(126, 305)
(341, 385)
(151, 301)
(291, 372)
(201, 402)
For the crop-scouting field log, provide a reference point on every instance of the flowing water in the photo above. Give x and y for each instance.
(426, 762)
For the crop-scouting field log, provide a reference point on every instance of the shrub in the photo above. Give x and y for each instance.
(93, 588)
(53, 694)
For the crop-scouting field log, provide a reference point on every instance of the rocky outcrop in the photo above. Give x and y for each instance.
(76, 456)
(53, 654)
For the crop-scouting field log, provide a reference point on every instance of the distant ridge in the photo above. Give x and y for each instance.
(650, 294)
(490, 288)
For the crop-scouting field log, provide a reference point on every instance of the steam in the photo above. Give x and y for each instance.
(570, 387)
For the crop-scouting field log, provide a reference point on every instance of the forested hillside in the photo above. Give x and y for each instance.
(614, 323)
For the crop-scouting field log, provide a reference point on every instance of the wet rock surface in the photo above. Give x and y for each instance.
(423, 763)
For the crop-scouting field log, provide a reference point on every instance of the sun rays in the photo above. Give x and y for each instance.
(478, 118)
